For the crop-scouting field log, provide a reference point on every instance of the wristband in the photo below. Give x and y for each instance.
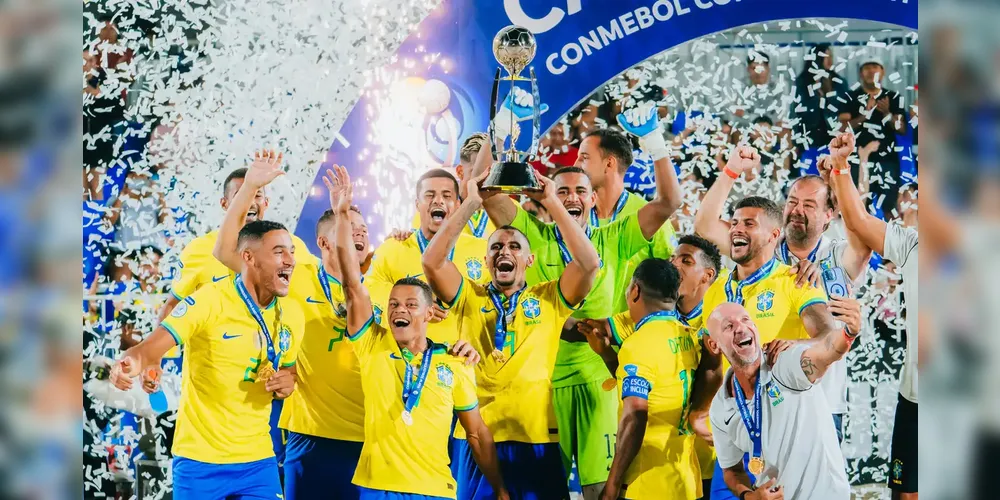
(849, 335)
(843, 171)
(732, 174)
(654, 145)
(743, 496)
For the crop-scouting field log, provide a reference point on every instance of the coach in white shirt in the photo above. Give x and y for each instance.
(899, 245)
(771, 413)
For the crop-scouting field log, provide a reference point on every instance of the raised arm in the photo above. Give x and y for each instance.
(359, 304)
(857, 253)
(442, 275)
(830, 341)
(265, 168)
(869, 229)
(578, 277)
(643, 122)
(708, 220)
(631, 430)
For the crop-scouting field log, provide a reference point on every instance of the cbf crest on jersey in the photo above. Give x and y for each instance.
(532, 308)
(474, 268)
(284, 338)
(774, 392)
(445, 376)
(376, 312)
(765, 301)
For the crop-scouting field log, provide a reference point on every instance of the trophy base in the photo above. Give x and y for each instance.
(512, 177)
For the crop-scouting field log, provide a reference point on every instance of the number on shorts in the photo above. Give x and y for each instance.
(610, 440)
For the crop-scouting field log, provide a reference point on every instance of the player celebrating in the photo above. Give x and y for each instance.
(809, 208)
(769, 411)
(243, 339)
(518, 325)
(585, 405)
(437, 199)
(899, 245)
(406, 439)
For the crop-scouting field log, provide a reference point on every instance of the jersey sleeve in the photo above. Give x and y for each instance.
(302, 253)
(188, 277)
(296, 322)
(465, 295)
(551, 292)
(788, 368)
(367, 338)
(900, 243)
(622, 327)
(636, 370)
(536, 231)
(191, 315)
(380, 279)
(464, 390)
(806, 296)
(726, 450)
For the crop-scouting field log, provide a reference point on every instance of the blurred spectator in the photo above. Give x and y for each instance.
(556, 150)
(761, 96)
(817, 88)
(139, 215)
(876, 114)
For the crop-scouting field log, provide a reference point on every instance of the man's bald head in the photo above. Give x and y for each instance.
(732, 330)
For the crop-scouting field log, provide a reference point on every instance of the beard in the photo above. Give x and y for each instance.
(738, 360)
(798, 234)
(753, 250)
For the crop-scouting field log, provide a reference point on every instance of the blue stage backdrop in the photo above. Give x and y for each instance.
(436, 91)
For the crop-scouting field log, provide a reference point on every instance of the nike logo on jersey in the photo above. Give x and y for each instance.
(485, 309)
(730, 418)
(313, 301)
(219, 278)
(414, 275)
(393, 355)
(227, 336)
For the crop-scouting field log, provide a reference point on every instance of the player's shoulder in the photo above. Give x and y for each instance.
(392, 247)
(201, 246)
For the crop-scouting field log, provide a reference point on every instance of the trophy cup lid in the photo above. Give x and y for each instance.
(514, 48)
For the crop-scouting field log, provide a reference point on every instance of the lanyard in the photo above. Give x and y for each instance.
(324, 282)
(656, 316)
(686, 318)
(563, 250)
(411, 389)
(423, 242)
(500, 330)
(737, 294)
(786, 254)
(274, 356)
(619, 205)
(751, 421)
(478, 228)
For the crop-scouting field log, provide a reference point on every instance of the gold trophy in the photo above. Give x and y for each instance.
(514, 48)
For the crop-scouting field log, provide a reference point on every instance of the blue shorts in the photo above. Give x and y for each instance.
(318, 467)
(277, 435)
(719, 489)
(367, 494)
(530, 471)
(199, 480)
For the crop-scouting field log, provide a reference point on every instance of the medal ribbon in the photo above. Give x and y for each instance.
(734, 293)
(478, 228)
(686, 318)
(786, 255)
(500, 330)
(324, 283)
(751, 421)
(619, 205)
(411, 388)
(274, 356)
(656, 316)
(423, 242)
(563, 250)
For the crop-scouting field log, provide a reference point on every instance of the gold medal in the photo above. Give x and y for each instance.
(756, 465)
(265, 371)
(498, 356)
(609, 384)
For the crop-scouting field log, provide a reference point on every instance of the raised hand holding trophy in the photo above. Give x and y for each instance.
(514, 48)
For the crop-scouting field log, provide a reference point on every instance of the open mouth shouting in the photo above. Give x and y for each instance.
(438, 215)
(359, 245)
(400, 321)
(575, 210)
(252, 213)
(739, 241)
(504, 268)
(285, 276)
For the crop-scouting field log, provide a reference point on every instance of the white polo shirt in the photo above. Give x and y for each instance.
(834, 382)
(901, 247)
(799, 453)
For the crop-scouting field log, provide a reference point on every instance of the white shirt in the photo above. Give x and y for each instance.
(901, 247)
(802, 455)
(834, 382)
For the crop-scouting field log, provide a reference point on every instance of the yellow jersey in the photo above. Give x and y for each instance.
(395, 260)
(396, 456)
(328, 401)
(224, 411)
(515, 388)
(658, 364)
(479, 226)
(622, 328)
(198, 266)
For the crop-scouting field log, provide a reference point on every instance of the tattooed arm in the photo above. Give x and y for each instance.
(829, 346)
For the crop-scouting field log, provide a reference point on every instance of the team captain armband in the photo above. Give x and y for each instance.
(634, 385)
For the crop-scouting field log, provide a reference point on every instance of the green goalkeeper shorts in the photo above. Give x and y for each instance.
(587, 416)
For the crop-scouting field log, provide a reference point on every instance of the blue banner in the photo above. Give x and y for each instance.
(446, 66)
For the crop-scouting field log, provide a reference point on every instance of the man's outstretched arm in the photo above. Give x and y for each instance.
(708, 220)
